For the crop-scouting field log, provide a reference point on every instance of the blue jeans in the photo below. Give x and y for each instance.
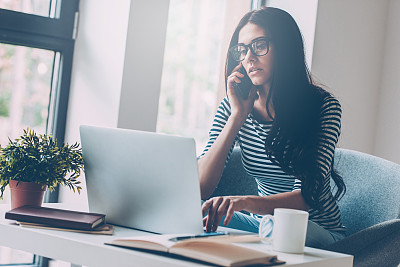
(317, 236)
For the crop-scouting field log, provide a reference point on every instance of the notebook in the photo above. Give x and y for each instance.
(142, 180)
(56, 217)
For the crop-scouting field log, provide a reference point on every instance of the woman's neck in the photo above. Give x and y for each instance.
(263, 91)
(259, 109)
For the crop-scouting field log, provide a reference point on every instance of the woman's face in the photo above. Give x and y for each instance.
(259, 68)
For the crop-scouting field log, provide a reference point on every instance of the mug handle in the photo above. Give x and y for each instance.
(260, 234)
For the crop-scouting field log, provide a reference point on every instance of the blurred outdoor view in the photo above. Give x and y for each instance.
(191, 72)
(38, 7)
(25, 85)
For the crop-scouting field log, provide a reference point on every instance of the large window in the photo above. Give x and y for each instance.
(36, 49)
(192, 83)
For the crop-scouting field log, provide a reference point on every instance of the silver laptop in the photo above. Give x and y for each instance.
(142, 180)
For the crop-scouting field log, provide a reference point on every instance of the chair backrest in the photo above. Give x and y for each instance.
(373, 187)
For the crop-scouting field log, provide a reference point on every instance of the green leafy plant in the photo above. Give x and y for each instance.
(37, 158)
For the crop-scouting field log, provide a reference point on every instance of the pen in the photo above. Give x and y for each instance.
(180, 238)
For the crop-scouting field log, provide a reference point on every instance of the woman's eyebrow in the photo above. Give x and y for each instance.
(255, 39)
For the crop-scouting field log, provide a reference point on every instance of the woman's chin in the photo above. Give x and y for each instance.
(257, 82)
(260, 82)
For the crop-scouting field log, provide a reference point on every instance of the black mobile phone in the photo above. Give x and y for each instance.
(243, 88)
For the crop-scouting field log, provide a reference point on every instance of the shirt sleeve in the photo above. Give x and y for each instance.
(220, 119)
(331, 113)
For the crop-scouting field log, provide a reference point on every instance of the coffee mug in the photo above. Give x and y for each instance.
(289, 228)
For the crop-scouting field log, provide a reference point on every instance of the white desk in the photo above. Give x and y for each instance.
(89, 250)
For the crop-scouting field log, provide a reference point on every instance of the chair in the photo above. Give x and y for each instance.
(370, 208)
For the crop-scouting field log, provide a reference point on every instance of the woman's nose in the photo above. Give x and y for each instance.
(249, 56)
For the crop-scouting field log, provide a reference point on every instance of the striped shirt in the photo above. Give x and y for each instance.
(270, 177)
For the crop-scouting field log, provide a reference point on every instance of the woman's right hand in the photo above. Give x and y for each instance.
(215, 208)
(240, 108)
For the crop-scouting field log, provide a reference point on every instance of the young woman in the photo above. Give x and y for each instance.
(287, 129)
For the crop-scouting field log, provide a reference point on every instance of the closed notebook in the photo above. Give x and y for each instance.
(217, 250)
(56, 217)
(103, 229)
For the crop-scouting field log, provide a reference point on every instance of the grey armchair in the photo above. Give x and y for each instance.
(370, 208)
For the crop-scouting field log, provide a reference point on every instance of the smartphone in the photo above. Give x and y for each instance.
(243, 88)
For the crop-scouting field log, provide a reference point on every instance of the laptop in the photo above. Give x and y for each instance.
(142, 180)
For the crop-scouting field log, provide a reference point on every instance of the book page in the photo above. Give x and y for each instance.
(221, 253)
(152, 242)
(230, 239)
(105, 229)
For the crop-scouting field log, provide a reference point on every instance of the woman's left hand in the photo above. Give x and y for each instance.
(218, 207)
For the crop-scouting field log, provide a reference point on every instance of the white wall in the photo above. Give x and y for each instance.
(97, 65)
(116, 70)
(349, 52)
(143, 64)
(96, 72)
(387, 143)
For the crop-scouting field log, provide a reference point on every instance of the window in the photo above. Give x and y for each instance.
(25, 78)
(198, 34)
(35, 69)
(36, 7)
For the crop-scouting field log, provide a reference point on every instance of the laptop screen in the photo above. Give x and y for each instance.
(142, 180)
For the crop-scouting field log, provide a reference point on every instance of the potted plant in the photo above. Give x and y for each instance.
(32, 163)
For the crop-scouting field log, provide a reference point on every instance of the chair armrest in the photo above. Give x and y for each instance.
(377, 245)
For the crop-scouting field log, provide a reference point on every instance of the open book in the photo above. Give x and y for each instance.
(219, 250)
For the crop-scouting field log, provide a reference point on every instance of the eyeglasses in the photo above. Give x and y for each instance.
(258, 47)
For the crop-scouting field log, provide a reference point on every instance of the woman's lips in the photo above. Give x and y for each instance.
(254, 71)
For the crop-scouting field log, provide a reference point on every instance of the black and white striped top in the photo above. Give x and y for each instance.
(270, 178)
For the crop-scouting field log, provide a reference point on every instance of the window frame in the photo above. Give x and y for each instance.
(56, 34)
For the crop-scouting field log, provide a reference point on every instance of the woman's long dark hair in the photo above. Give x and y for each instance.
(293, 139)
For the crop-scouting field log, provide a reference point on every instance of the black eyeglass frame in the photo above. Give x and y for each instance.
(249, 46)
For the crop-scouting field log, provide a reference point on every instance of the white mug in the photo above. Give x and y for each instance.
(289, 228)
